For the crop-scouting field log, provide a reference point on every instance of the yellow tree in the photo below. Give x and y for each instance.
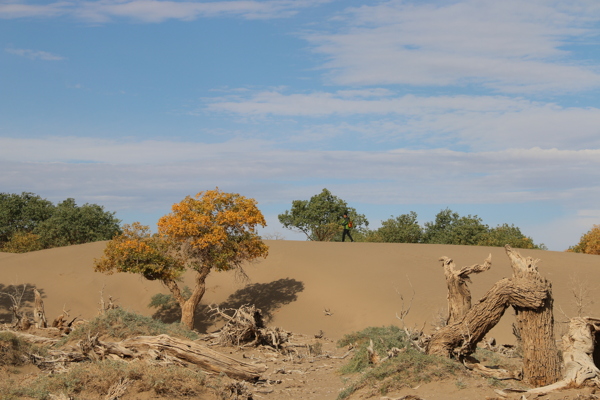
(589, 242)
(213, 230)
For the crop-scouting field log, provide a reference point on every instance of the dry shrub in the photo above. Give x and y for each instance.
(15, 351)
(100, 377)
(120, 324)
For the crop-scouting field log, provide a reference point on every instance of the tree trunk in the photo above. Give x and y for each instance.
(39, 315)
(541, 362)
(460, 339)
(459, 295)
(188, 306)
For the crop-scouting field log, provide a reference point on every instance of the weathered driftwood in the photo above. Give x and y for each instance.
(245, 327)
(33, 338)
(459, 295)
(578, 349)
(163, 348)
(39, 315)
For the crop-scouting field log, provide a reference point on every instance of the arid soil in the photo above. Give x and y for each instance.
(310, 287)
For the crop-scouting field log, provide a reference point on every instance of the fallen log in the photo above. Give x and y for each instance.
(190, 352)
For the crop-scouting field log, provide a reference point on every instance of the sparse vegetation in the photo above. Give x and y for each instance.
(15, 351)
(98, 377)
(409, 367)
(120, 324)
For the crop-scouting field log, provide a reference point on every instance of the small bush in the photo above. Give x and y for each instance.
(408, 368)
(121, 324)
(15, 351)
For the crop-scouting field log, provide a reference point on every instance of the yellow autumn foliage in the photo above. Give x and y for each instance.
(589, 242)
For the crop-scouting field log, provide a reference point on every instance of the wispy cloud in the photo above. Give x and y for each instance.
(507, 46)
(34, 54)
(158, 10)
(475, 122)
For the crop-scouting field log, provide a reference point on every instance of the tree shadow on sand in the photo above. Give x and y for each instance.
(266, 296)
(26, 297)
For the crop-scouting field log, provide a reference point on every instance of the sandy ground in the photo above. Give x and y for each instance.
(309, 287)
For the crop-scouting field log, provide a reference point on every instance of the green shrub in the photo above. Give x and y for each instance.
(121, 324)
(409, 367)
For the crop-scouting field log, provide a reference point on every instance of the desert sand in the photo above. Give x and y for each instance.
(307, 287)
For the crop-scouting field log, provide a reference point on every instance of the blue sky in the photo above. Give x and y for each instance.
(485, 107)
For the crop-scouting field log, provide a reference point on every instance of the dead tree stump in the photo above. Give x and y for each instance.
(541, 362)
(531, 296)
(39, 315)
(459, 294)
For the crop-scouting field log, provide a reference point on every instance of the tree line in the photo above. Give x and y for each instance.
(319, 218)
(28, 223)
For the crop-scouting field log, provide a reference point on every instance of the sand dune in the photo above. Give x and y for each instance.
(361, 284)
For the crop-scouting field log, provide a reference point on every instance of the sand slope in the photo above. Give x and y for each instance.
(361, 284)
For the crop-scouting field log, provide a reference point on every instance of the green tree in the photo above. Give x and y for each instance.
(450, 228)
(402, 229)
(211, 231)
(507, 234)
(320, 217)
(70, 224)
(589, 243)
(22, 214)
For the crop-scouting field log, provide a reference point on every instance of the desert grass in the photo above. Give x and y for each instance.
(83, 379)
(15, 351)
(120, 324)
(408, 368)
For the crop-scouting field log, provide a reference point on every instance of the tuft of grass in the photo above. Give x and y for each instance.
(410, 367)
(98, 377)
(121, 324)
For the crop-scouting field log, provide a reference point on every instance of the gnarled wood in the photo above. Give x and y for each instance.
(541, 362)
(459, 295)
(39, 315)
(460, 339)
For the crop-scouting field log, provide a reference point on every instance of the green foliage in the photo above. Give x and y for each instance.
(409, 367)
(450, 228)
(507, 234)
(402, 229)
(71, 224)
(120, 324)
(167, 303)
(589, 242)
(22, 213)
(320, 218)
(28, 223)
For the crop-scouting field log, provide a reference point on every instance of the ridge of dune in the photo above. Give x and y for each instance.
(359, 284)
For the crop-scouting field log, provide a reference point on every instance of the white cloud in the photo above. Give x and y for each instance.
(149, 176)
(509, 46)
(158, 10)
(477, 122)
(34, 54)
